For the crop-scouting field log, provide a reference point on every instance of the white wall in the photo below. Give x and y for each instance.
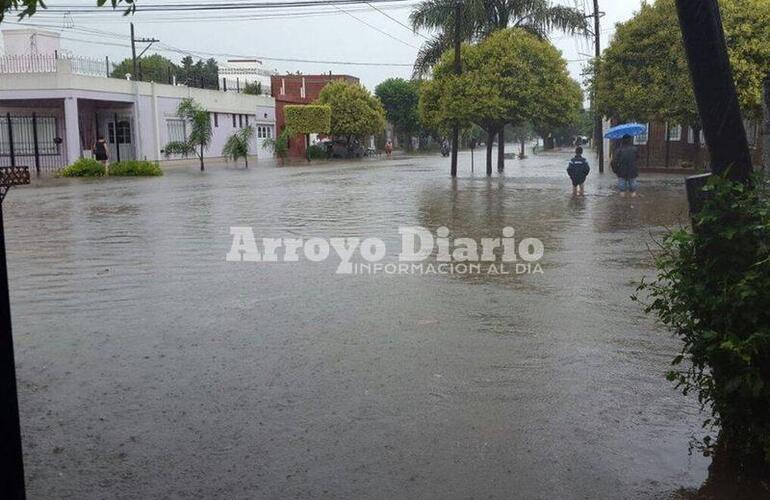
(30, 41)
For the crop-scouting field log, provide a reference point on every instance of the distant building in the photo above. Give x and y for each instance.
(686, 146)
(236, 73)
(53, 108)
(299, 89)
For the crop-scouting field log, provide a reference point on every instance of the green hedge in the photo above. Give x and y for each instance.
(84, 167)
(135, 168)
(316, 152)
(310, 119)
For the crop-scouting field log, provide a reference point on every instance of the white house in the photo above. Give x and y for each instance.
(53, 108)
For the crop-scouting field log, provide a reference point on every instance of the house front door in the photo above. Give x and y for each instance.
(119, 134)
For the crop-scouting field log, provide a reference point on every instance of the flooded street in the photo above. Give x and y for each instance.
(149, 367)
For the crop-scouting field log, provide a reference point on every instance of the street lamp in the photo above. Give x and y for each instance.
(12, 475)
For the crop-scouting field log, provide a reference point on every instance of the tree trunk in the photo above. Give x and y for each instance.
(201, 157)
(698, 156)
(523, 153)
(490, 144)
(246, 160)
(668, 144)
(501, 149)
(766, 126)
(307, 147)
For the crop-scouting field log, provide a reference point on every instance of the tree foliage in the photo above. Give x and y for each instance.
(252, 88)
(153, 68)
(198, 74)
(312, 119)
(27, 8)
(480, 18)
(400, 99)
(237, 145)
(199, 138)
(354, 111)
(712, 291)
(512, 77)
(643, 74)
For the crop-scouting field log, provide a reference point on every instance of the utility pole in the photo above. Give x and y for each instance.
(598, 129)
(458, 71)
(134, 58)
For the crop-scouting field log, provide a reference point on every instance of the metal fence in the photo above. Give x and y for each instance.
(31, 140)
(48, 63)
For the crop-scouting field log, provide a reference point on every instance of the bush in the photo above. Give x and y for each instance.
(316, 152)
(713, 291)
(308, 119)
(84, 167)
(135, 168)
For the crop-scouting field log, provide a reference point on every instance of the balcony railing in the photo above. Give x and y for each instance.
(45, 63)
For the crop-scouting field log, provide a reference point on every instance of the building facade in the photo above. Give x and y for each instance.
(299, 90)
(686, 146)
(53, 108)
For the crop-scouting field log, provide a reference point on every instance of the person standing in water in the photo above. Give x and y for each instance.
(578, 171)
(100, 151)
(624, 166)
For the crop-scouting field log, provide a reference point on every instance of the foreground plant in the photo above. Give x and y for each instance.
(237, 145)
(713, 291)
(200, 134)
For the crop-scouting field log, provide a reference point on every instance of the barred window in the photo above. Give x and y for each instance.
(22, 129)
(177, 130)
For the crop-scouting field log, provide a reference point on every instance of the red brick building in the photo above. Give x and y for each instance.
(685, 149)
(299, 89)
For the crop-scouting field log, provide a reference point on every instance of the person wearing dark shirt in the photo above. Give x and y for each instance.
(100, 151)
(624, 166)
(578, 171)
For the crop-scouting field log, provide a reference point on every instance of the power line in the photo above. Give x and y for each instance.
(374, 27)
(396, 21)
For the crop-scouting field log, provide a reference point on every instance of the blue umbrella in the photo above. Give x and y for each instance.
(632, 129)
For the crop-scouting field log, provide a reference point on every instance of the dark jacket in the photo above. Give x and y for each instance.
(624, 162)
(578, 169)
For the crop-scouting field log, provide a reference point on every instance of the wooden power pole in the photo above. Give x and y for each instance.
(598, 128)
(458, 70)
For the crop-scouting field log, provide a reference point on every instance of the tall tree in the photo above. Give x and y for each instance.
(643, 74)
(354, 111)
(400, 98)
(481, 18)
(511, 77)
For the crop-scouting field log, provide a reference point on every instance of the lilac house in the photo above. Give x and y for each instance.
(54, 106)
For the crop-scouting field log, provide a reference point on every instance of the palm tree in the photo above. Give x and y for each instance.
(479, 19)
(200, 131)
(237, 145)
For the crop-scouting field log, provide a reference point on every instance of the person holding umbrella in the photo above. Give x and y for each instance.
(624, 159)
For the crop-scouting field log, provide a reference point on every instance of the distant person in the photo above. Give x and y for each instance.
(389, 149)
(578, 170)
(100, 151)
(624, 166)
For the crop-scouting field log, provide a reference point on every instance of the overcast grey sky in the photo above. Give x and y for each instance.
(359, 34)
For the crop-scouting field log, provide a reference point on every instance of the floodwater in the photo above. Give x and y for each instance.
(149, 367)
